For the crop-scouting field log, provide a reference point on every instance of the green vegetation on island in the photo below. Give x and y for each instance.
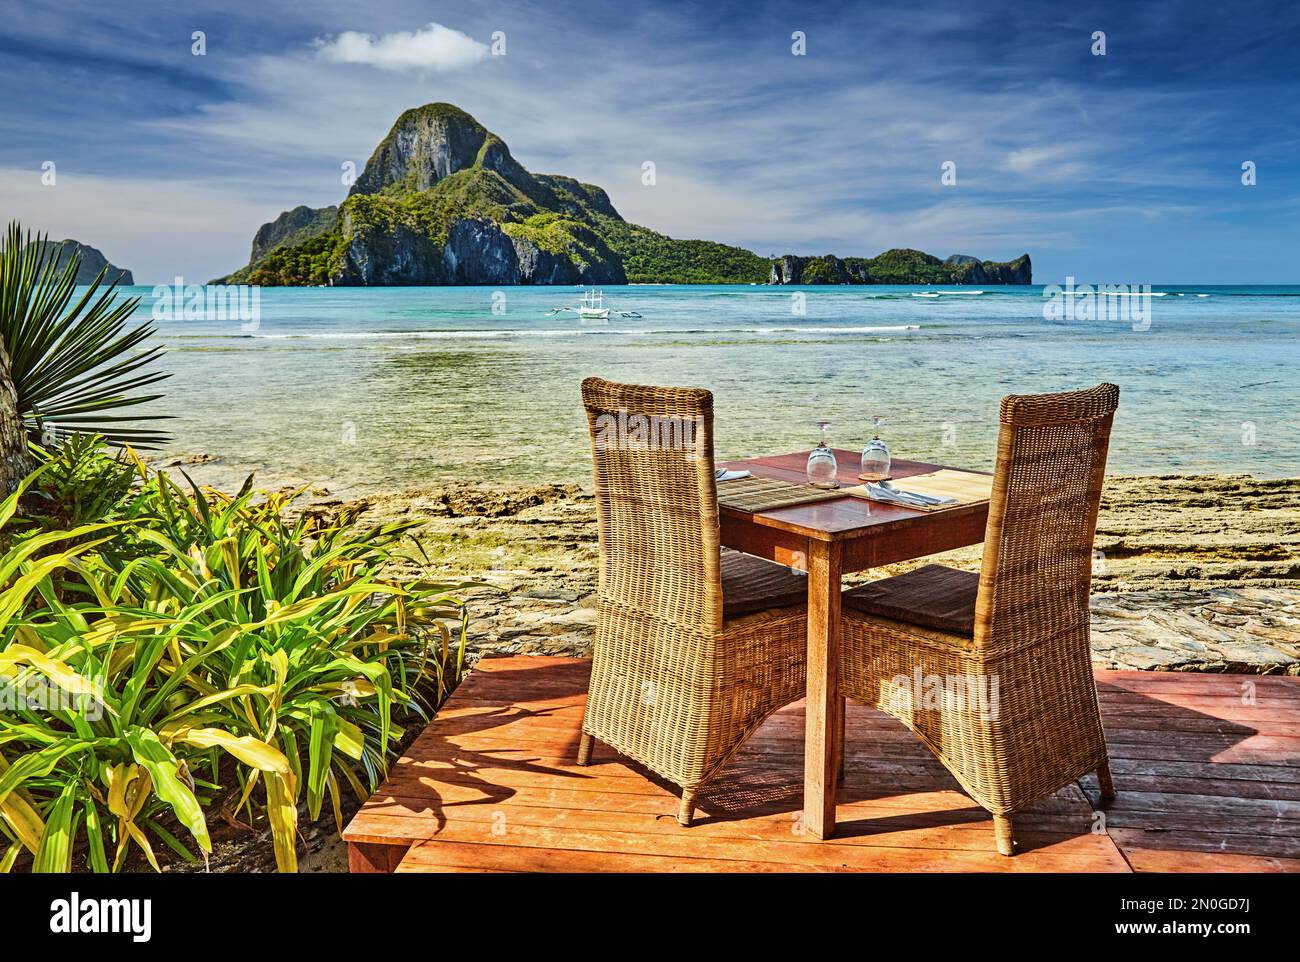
(900, 266)
(442, 201)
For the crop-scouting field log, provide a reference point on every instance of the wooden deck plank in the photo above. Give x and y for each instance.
(1273, 774)
(760, 820)
(1180, 680)
(938, 816)
(444, 856)
(1080, 853)
(1181, 853)
(1207, 782)
(729, 799)
(1174, 751)
(901, 837)
(1231, 788)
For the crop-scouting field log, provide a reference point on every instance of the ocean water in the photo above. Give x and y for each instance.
(368, 390)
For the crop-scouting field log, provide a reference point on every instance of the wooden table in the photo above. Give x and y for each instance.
(828, 539)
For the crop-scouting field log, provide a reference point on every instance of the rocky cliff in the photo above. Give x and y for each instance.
(431, 143)
(92, 262)
(899, 266)
(443, 201)
(292, 228)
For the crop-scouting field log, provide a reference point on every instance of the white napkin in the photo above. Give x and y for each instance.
(911, 499)
(722, 474)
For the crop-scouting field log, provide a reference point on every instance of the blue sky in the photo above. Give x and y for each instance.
(1123, 168)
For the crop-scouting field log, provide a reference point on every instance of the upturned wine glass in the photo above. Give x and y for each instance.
(875, 457)
(822, 467)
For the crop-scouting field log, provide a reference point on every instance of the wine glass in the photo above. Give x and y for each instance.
(822, 467)
(875, 457)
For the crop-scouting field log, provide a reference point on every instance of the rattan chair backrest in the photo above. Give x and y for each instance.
(656, 501)
(1038, 546)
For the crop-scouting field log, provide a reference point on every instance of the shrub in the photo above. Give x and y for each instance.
(198, 651)
(80, 485)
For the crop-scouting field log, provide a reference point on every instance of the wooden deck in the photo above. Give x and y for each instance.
(1207, 768)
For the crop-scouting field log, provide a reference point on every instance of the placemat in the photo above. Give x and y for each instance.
(966, 486)
(753, 495)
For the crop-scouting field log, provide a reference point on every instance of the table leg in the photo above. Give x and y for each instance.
(821, 758)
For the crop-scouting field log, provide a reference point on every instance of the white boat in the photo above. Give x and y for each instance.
(592, 306)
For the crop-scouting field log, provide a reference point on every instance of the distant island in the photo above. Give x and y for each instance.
(92, 262)
(899, 266)
(442, 201)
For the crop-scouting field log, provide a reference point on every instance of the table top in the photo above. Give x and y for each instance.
(847, 517)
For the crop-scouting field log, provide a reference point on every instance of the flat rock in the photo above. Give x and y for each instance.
(1195, 573)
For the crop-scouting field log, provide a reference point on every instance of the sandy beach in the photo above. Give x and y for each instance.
(1194, 573)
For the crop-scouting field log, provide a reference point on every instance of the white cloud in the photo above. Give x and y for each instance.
(853, 170)
(1050, 162)
(434, 47)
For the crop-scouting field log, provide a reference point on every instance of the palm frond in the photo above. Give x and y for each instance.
(71, 359)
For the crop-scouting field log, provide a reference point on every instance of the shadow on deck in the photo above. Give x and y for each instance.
(1205, 767)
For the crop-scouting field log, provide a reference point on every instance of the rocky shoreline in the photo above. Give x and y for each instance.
(1194, 573)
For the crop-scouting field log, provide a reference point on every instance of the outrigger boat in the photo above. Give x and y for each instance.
(591, 307)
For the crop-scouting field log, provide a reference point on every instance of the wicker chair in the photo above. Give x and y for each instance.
(1016, 717)
(694, 647)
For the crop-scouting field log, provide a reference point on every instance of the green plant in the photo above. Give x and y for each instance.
(80, 485)
(246, 662)
(71, 361)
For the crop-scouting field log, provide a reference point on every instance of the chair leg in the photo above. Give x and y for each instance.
(1105, 782)
(584, 749)
(842, 712)
(1005, 835)
(687, 811)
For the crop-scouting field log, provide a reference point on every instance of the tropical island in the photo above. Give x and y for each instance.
(442, 201)
(90, 261)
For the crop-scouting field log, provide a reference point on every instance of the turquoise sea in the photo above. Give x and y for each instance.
(378, 389)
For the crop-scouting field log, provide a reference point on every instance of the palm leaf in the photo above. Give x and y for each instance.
(71, 360)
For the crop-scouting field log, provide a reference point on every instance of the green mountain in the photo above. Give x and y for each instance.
(293, 228)
(442, 201)
(900, 266)
(92, 262)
